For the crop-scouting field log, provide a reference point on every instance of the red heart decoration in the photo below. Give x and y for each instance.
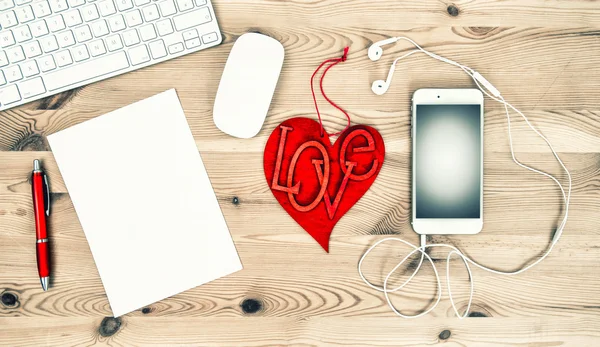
(298, 144)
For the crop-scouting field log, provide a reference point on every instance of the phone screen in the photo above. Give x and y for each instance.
(448, 161)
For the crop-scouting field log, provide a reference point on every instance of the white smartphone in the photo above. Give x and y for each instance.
(447, 161)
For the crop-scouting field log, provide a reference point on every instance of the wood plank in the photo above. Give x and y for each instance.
(506, 187)
(515, 59)
(267, 331)
(503, 216)
(328, 284)
(307, 294)
(386, 13)
(27, 132)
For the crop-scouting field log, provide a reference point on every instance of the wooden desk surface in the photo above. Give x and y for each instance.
(544, 57)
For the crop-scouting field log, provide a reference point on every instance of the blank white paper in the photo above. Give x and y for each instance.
(145, 202)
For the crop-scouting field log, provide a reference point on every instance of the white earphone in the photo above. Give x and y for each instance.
(379, 87)
(375, 51)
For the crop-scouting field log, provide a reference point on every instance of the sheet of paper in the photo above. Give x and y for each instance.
(145, 202)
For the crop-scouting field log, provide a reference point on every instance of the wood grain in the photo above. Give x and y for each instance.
(542, 55)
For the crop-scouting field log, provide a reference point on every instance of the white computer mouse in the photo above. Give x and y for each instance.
(247, 85)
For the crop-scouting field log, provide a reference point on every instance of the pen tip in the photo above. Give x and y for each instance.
(44, 281)
(36, 165)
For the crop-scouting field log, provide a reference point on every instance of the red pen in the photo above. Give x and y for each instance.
(41, 211)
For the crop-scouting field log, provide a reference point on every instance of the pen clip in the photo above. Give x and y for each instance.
(47, 195)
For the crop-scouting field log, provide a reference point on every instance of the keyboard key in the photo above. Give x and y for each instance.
(167, 8)
(124, 5)
(32, 49)
(139, 55)
(75, 3)
(41, 9)
(32, 87)
(58, 5)
(6, 38)
(193, 43)
(39, 28)
(63, 58)
(141, 2)
(185, 5)
(133, 18)
(100, 28)
(116, 23)
(190, 34)
(46, 63)
(83, 33)
(30, 68)
(192, 19)
(150, 13)
(86, 71)
(208, 38)
(2, 79)
(107, 7)
(3, 59)
(131, 37)
(147, 32)
(90, 13)
(56, 23)
(176, 48)
(113, 43)
(96, 48)
(9, 94)
(66, 39)
(24, 14)
(157, 48)
(164, 27)
(72, 18)
(49, 44)
(8, 19)
(15, 54)
(13, 73)
(22, 33)
(80, 53)
(200, 3)
(22, 2)
(6, 4)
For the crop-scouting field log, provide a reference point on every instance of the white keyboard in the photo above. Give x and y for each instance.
(49, 46)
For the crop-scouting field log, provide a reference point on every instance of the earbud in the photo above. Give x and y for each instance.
(375, 51)
(379, 87)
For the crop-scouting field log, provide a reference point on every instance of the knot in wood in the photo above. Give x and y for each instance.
(251, 306)
(453, 10)
(477, 314)
(109, 326)
(30, 142)
(445, 335)
(9, 299)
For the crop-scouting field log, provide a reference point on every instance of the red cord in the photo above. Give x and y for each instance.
(334, 62)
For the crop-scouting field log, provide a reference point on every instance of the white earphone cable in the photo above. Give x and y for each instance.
(433, 55)
(453, 250)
